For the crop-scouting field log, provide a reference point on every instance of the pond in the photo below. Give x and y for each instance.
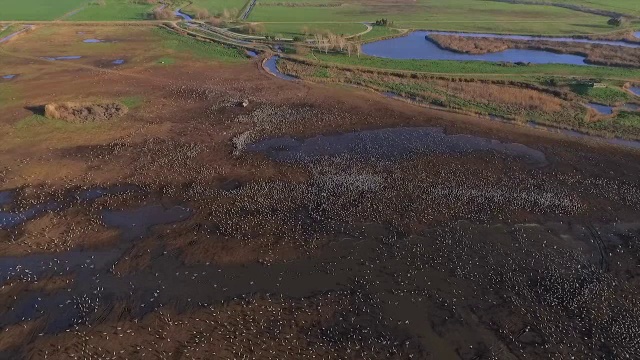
(416, 46)
(631, 107)
(272, 65)
(539, 38)
(184, 16)
(10, 219)
(601, 109)
(91, 41)
(8, 77)
(635, 90)
(251, 53)
(118, 62)
(73, 57)
(136, 223)
(6, 197)
(388, 144)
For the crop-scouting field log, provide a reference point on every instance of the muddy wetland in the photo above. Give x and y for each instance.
(168, 197)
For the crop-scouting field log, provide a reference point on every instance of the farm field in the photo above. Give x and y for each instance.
(216, 6)
(458, 15)
(630, 7)
(26, 10)
(121, 10)
(292, 30)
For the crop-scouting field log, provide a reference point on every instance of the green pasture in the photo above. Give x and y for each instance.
(203, 50)
(215, 6)
(25, 10)
(291, 30)
(117, 10)
(461, 15)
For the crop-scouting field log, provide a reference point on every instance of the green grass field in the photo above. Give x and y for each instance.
(25, 10)
(631, 7)
(608, 95)
(215, 6)
(462, 15)
(289, 30)
(284, 18)
(202, 50)
(113, 10)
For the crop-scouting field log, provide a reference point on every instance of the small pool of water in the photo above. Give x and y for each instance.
(91, 41)
(118, 62)
(73, 57)
(11, 36)
(637, 34)
(252, 53)
(388, 144)
(635, 90)
(416, 46)
(11, 219)
(271, 64)
(8, 77)
(6, 197)
(184, 16)
(62, 263)
(136, 223)
(601, 109)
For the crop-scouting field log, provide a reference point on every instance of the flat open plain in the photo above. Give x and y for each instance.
(321, 220)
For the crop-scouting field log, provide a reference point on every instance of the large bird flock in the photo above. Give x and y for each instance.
(476, 255)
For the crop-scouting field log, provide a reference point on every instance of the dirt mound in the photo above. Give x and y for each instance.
(77, 112)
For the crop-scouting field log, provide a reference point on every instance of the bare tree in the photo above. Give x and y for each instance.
(326, 45)
(333, 40)
(342, 42)
(316, 39)
(202, 14)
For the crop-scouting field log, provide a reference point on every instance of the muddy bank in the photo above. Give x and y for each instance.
(82, 112)
(597, 54)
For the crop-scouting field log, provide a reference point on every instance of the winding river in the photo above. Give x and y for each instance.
(271, 64)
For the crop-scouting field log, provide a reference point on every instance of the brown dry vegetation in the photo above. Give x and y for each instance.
(510, 99)
(79, 112)
(162, 14)
(521, 98)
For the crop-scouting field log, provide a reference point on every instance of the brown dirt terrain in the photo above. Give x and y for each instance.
(430, 255)
(84, 112)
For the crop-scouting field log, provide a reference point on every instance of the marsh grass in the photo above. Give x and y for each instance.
(198, 49)
(607, 95)
(132, 102)
(477, 67)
